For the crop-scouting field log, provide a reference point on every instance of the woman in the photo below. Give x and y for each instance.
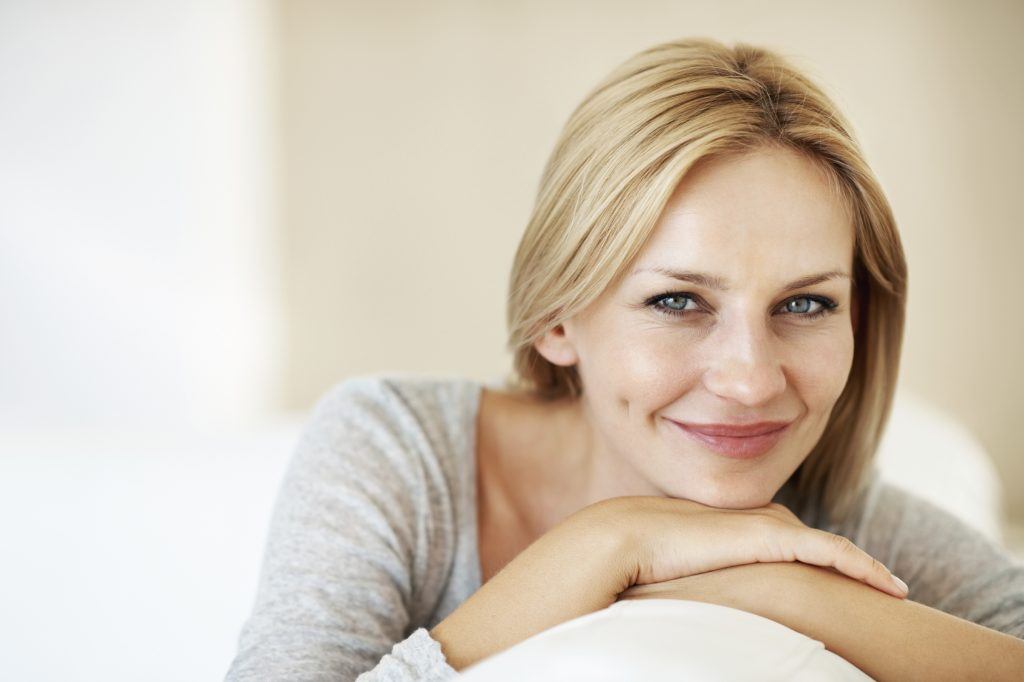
(706, 312)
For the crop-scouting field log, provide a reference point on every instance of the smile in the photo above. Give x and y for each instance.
(737, 442)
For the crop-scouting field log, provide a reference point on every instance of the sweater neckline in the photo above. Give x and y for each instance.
(473, 415)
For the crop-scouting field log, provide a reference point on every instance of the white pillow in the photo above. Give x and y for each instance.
(655, 639)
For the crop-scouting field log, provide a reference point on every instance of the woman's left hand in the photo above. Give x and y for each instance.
(718, 586)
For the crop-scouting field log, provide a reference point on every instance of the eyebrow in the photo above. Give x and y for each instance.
(719, 283)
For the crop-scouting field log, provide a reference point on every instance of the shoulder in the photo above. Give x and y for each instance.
(949, 564)
(396, 419)
(917, 522)
(897, 525)
(881, 505)
(427, 397)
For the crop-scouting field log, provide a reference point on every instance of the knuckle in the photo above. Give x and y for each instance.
(877, 565)
(841, 544)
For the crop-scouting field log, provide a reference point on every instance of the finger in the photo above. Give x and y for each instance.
(821, 548)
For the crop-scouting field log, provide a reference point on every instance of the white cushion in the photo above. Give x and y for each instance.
(663, 639)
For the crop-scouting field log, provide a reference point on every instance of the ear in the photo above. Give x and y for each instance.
(556, 347)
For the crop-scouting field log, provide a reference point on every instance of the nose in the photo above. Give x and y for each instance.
(743, 364)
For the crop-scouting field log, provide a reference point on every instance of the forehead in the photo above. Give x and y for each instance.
(766, 213)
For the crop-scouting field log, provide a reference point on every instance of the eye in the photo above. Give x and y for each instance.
(804, 306)
(674, 303)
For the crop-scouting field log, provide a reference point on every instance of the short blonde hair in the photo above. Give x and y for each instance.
(619, 158)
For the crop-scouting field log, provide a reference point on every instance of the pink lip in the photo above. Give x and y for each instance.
(733, 440)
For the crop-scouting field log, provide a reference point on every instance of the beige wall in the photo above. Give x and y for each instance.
(412, 136)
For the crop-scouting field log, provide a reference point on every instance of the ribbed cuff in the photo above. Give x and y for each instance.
(417, 657)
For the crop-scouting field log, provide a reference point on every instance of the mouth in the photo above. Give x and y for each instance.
(732, 440)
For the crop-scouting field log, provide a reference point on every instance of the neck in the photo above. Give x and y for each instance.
(571, 466)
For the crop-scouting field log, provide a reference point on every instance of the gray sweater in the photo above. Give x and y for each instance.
(373, 540)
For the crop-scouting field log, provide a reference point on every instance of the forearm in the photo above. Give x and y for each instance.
(886, 637)
(566, 573)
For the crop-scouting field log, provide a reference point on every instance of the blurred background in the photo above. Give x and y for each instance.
(212, 211)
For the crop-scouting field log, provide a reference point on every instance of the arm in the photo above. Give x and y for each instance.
(886, 637)
(346, 556)
(949, 565)
(570, 571)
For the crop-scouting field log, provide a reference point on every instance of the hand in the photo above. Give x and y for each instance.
(668, 538)
(585, 562)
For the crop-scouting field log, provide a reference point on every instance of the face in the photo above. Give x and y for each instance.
(732, 338)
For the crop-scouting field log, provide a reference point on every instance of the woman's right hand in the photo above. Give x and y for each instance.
(584, 563)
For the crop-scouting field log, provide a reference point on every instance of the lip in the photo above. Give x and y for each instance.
(738, 441)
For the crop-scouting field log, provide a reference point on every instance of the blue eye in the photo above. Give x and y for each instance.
(676, 304)
(805, 307)
(801, 306)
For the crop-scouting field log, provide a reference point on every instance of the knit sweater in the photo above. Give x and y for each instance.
(373, 540)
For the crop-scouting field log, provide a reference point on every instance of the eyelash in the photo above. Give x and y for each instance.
(828, 306)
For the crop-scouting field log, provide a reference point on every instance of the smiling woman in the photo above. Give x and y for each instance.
(747, 175)
(706, 312)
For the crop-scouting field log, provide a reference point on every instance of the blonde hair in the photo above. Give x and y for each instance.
(619, 158)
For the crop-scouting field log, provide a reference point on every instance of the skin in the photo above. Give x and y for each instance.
(758, 221)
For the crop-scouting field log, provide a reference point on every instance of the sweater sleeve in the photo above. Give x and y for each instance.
(947, 564)
(345, 559)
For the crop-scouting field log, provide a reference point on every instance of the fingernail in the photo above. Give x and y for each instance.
(899, 583)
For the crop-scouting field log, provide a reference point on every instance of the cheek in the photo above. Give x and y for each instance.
(645, 371)
(819, 366)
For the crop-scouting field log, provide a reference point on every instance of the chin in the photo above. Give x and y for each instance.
(730, 499)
